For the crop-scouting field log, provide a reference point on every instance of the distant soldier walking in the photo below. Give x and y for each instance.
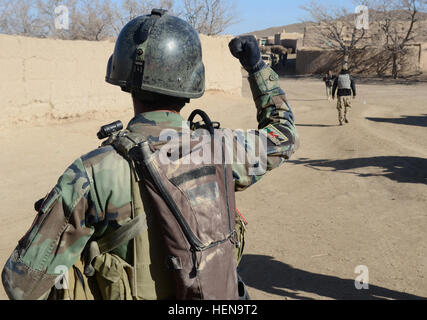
(346, 86)
(328, 79)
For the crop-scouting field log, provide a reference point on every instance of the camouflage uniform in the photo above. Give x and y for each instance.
(93, 197)
(343, 107)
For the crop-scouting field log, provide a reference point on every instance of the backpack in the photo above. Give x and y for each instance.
(201, 230)
(344, 81)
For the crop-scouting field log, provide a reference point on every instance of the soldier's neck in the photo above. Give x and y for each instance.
(140, 108)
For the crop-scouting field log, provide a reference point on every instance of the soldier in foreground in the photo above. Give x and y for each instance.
(125, 225)
(346, 87)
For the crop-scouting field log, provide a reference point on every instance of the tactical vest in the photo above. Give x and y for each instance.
(200, 238)
(344, 81)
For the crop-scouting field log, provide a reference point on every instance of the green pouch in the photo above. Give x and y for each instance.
(241, 232)
(113, 276)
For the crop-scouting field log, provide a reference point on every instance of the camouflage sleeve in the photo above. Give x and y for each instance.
(92, 196)
(54, 241)
(276, 138)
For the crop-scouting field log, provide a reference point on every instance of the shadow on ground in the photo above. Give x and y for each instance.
(400, 169)
(269, 275)
(420, 121)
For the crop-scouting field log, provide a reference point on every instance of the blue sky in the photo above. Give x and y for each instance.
(262, 14)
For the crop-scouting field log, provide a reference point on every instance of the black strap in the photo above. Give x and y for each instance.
(209, 125)
(158, 12)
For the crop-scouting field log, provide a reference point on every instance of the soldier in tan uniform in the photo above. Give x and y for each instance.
(346, 88)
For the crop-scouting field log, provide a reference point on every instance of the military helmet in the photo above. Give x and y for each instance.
(160, 54)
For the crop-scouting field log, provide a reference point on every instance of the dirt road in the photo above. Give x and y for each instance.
(351, 196)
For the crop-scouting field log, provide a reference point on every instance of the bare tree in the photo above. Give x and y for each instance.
(127, 10)
(397, 20)
(335, 28)
(101, 19)
(46, 13)
(210, 17)
(21, 17)
(91, 20)
(4, 5)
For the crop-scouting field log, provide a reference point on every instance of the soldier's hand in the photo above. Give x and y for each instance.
(245, 48)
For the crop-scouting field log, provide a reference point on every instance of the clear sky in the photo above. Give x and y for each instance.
(263, 14)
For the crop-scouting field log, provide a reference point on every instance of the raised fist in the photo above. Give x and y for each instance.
(246, 49)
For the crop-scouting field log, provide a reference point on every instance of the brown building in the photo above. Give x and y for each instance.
(317, 55)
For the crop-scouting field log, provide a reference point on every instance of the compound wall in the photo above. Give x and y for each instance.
(45, 78)
(371, 61)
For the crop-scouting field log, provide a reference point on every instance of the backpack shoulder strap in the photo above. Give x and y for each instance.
(123, 142)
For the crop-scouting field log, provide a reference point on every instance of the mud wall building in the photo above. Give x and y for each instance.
(370, 61)
(61, 79)
(288, 40)
(317, 56)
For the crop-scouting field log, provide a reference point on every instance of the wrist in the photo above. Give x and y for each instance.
(263, 82)
(260, 65)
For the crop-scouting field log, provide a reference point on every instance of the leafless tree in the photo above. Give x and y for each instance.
(91, 20)
(46, 13)
(127, 10)
(397, 20)
(101, 19)
(3, 15)
(336, 28)
(21, 17)
(210, 17)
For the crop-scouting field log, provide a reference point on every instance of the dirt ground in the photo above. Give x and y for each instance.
(351, 196)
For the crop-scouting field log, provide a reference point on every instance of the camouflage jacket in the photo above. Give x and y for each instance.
(93, 196)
